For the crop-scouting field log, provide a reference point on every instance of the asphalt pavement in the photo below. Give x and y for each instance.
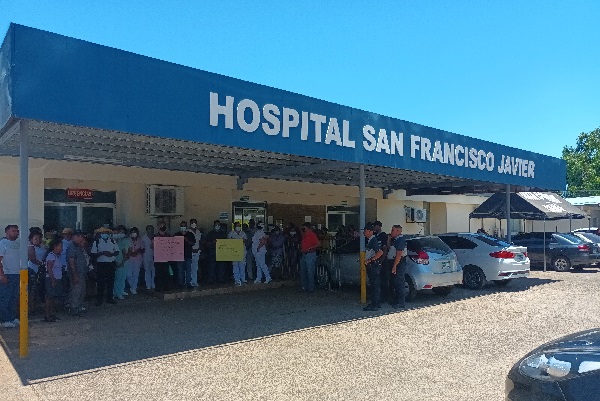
(282, 344)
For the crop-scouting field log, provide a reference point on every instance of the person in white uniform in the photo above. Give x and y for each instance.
(239, 267)
(135, 255)
(259, 249)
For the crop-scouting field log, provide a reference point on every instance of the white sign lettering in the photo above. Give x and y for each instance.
(274, 120)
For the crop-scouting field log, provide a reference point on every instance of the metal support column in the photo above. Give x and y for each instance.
(362, 216)
(508, 225)
(24, 238)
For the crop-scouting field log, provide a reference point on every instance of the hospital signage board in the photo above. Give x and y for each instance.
(78, 193)
(141, 95)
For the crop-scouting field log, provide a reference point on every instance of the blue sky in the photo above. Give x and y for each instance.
(519, 73)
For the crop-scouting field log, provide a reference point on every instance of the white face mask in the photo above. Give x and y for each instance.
(133, 235)
(238, 229)
(217, 228)
(104, 236)
(193, 225)
(183, 229)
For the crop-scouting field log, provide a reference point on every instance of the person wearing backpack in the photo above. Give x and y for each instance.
(106, 250)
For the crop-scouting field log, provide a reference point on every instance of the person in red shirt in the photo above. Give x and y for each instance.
(308, 263)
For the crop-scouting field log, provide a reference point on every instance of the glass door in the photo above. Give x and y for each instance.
(78, 215)
(244, 211)
(61, 215)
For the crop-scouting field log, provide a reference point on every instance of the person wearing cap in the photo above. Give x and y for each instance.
(106, 250)
(308, 263)
(259, 248)
(373, 263)
(78, 260)
(398, 267)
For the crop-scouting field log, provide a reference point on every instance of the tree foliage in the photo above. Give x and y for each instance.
(583, 164)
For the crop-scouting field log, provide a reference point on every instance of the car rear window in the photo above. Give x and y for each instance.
(492, 241)
(570, 238)
(428, 244)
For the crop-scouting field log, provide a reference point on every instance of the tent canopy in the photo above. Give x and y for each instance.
(528, 206)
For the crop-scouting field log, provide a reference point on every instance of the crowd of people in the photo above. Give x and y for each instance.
(115, 263)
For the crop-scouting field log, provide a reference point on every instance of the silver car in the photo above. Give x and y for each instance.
(431, 265)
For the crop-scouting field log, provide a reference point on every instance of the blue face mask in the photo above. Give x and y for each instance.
(104, 236)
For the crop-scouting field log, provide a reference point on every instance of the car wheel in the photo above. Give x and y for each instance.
(443, 291)
(410, 292)
(561, 263)
(473, 277)
(501, 283)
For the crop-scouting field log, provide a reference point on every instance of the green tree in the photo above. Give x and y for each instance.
(583, 164)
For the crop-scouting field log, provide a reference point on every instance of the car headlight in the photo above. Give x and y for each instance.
(552, 365)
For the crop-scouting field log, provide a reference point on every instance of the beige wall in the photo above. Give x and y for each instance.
(438, 218)
(206, 195)
(9, 196)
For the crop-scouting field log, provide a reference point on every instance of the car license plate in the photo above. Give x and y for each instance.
(519, 258)
(445, 265)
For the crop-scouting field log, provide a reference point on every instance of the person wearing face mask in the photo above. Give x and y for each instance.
(195, 252)
(135, 258)
(123, 243)
(161, 279)
(106, 250)
(215, 269)
(259, 248)
(239, 267)
(149, 270)
(184, 267)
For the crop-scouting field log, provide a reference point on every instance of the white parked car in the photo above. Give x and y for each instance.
(431, 265)
(486, 258)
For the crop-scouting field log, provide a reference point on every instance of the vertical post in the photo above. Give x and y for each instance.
(544, 244)
(362, 216)
(23, 240)
(508, 225)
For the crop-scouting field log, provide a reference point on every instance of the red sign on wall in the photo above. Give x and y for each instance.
(77, 193)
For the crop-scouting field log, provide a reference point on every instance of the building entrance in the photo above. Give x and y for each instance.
(244, 211)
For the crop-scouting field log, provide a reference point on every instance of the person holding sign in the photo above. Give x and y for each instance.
(239, 267)
(184, 268)
(259, 249)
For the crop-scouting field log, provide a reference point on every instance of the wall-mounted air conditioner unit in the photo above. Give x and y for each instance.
(164, 200)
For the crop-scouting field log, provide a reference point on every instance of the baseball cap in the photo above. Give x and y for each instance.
(369, 226)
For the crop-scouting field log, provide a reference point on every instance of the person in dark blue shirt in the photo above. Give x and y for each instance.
(373, 258)
(398, 267)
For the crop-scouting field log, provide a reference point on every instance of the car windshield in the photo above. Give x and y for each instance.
(428, 244)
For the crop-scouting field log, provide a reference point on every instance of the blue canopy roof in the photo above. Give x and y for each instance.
(54, 79)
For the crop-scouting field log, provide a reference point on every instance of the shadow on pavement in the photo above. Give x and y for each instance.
(145, 327)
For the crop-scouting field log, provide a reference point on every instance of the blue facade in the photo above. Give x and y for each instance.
(69, 81)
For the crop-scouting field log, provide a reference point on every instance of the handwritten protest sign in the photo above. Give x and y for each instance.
(168, 249)
(230, 250)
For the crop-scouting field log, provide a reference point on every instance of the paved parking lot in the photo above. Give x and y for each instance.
(281, 344)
